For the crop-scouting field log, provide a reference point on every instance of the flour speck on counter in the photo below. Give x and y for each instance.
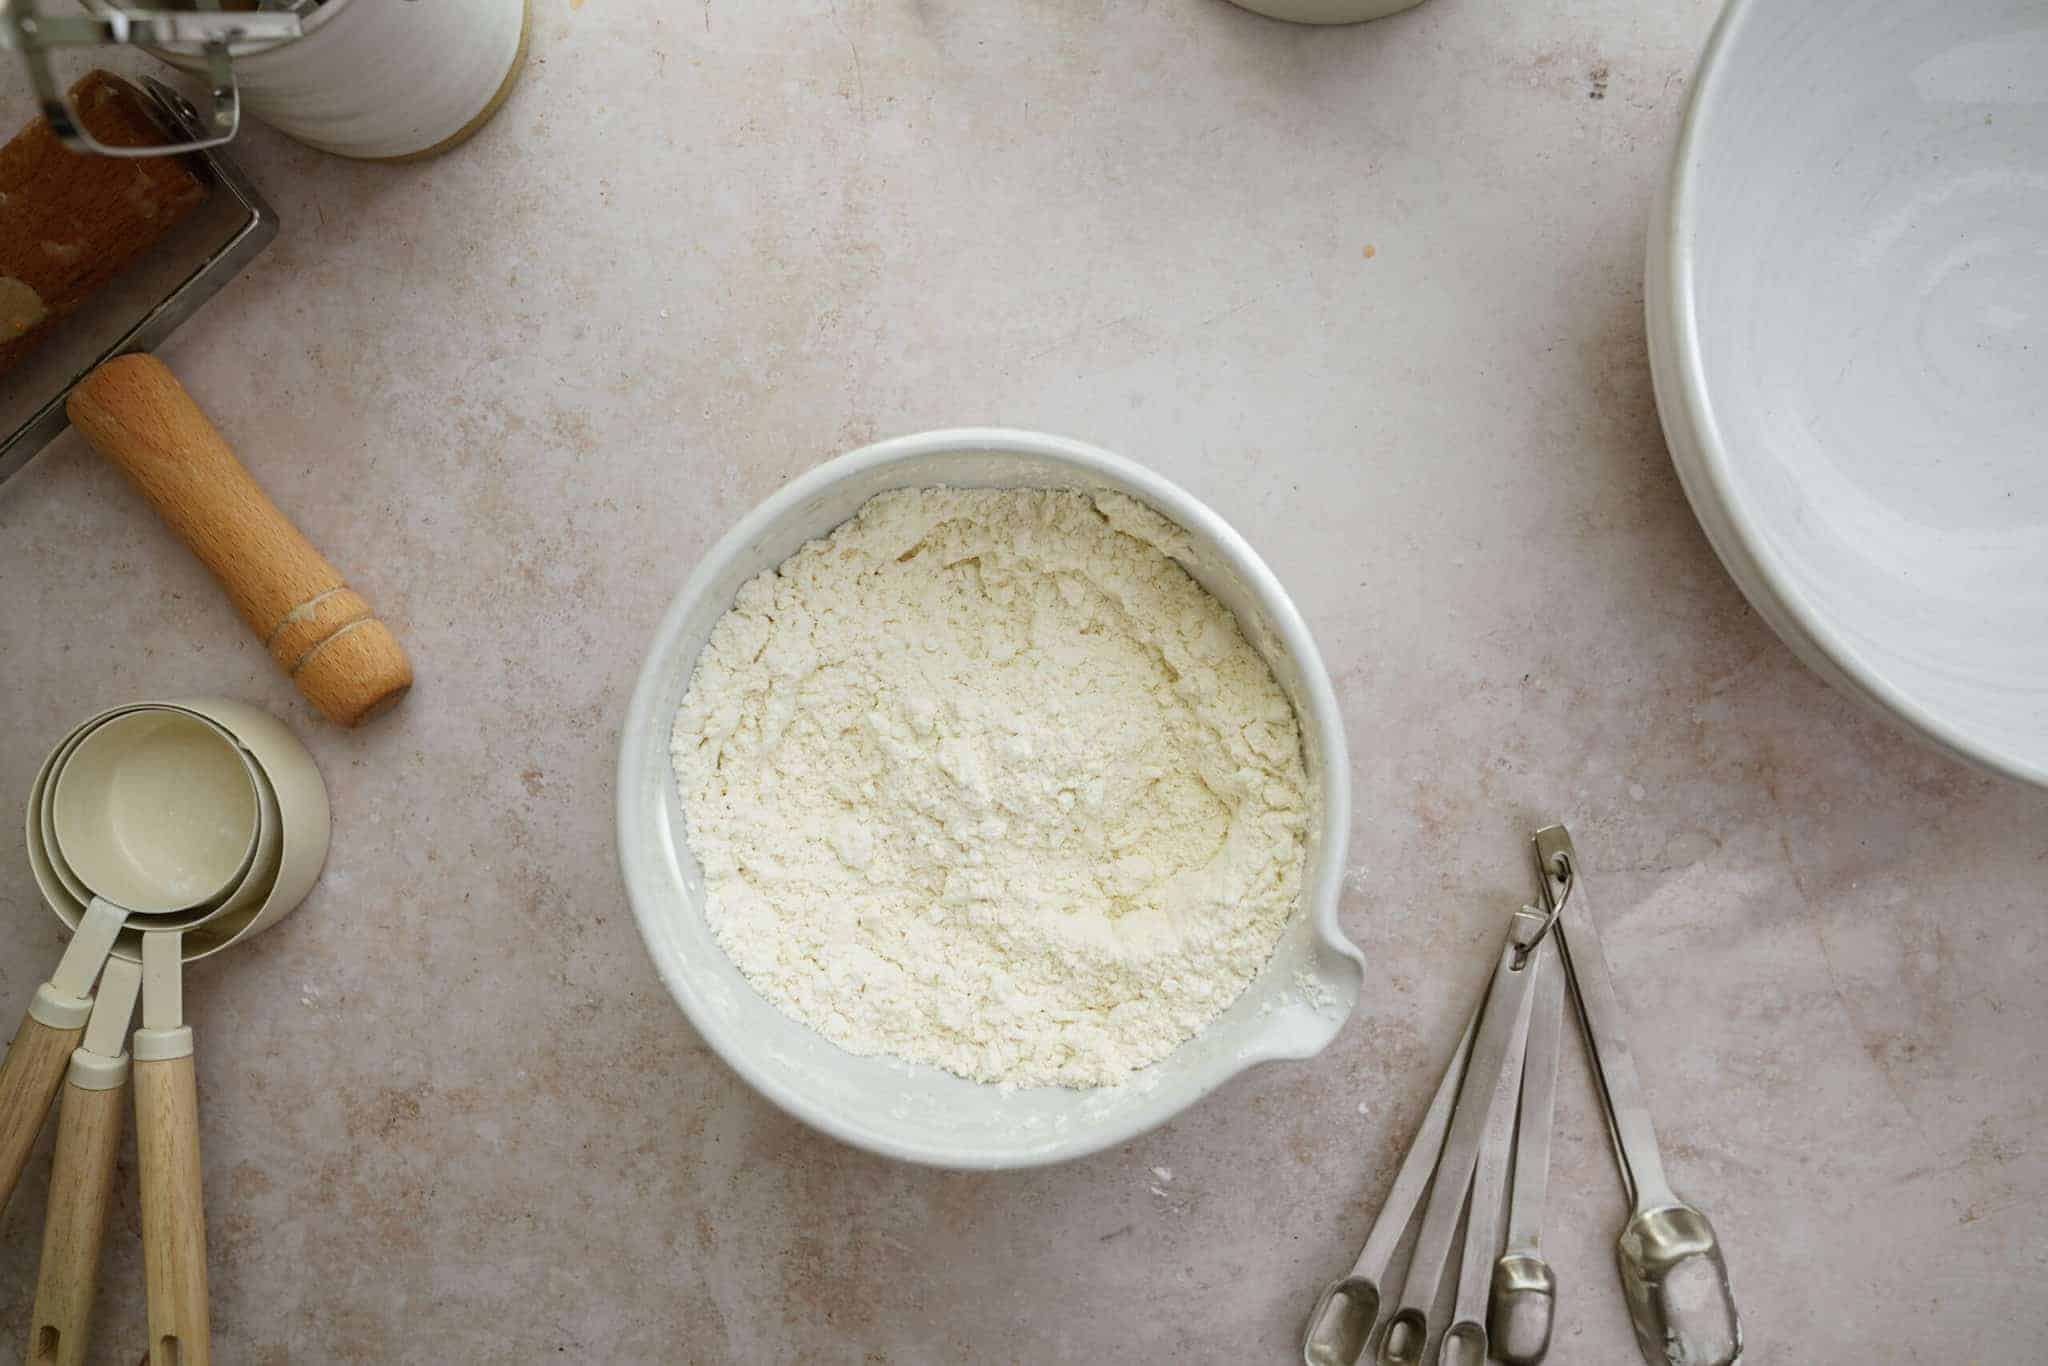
(985, 780)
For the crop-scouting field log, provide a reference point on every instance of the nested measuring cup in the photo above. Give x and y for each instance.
(284, 769)
(291, 846)
(165, 815)
(159, 810)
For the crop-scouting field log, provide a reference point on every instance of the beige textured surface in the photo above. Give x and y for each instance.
(449, 1113)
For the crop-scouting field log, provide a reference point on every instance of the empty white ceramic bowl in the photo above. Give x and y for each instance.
(1847, 307)
(919, 1113)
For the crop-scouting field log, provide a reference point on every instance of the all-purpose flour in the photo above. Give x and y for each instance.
(985, 780)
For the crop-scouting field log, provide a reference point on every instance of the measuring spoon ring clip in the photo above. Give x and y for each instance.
(1532, 926)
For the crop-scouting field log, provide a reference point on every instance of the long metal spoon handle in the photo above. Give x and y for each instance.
(1464, 1341)
(1621, 1089)
(1347, 1313)
(1503, 1025)
(1539, 1104)
(1406, 1193)
(1521, 1306)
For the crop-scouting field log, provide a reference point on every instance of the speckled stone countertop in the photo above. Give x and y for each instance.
(1375, 294)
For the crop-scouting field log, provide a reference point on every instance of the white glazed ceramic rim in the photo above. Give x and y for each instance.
(1327, 11)
(1318, 697)
(1850, 668)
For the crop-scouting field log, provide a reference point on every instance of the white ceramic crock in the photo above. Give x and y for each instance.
(384, 80)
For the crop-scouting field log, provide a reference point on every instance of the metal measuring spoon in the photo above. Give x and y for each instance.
(1672, 1273)
(1465, 1341)
(1503, 1030)
(1342, 1323)
(1523, 1301)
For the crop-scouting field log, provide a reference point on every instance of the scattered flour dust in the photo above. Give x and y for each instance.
(984, 780)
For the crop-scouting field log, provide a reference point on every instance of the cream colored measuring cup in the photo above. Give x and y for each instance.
(263, 846)
(303, 830)
(250, 886)
(292, 847)
(159, 811)
(143, 844)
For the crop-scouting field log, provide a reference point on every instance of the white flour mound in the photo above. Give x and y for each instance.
(985, 780)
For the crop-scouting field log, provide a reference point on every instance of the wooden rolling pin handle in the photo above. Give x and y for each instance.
(320, 632)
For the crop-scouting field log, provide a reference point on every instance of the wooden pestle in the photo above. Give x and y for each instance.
(319, 630)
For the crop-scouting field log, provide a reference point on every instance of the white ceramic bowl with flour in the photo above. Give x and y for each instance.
(1848, 325)
(1291, 1009)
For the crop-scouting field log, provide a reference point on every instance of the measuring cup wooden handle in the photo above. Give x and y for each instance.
(173, 1211)
(81, 1189)
(28, 1083)
(317, 629)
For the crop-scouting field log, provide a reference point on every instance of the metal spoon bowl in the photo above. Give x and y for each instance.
(1340, 1327)
(1524, 1303)
(1676, 1284)
(1463, 1345)
(1347, 1313)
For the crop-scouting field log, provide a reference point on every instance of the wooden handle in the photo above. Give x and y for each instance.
(320, 632)
(173, 1213)
(81, 1188)
(28, 1083)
